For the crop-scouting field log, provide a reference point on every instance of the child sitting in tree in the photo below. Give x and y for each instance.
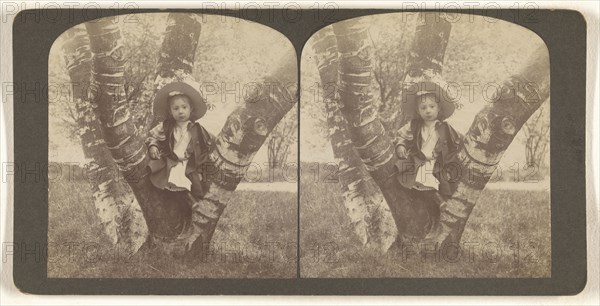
(179, 146)
(427, 146)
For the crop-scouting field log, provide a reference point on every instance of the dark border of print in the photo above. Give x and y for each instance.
(564, 33)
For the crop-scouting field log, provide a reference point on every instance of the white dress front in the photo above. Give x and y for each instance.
(182, 137)
(429, 138)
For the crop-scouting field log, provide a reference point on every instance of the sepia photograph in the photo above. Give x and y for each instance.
(298, 150)
(172, 149)
(425, 149)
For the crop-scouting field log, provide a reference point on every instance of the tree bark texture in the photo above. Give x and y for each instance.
(177, 54)
(179, 45)
(492, 131)
(367, 133)
(370, 217)
(175, 64)
(243, 133)
(183, 222)
(164, 217)
(118, 210)
(425, 60)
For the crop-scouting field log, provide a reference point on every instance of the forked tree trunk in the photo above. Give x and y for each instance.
(243, 134)
(367, 133)
(119, 212)
(125, 223)
(492, 131)
(370, 216)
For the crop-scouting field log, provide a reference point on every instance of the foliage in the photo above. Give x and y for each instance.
(537, 139)
(61, 109)
(282, 138)
(142, 38)
(228, 55)
(391, 46)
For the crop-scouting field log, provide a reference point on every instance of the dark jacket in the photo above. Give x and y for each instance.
(447, 168)
(198, 150)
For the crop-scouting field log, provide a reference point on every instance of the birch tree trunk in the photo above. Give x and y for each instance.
(118, 210)
(175, 57)
(367, 133)
(365, 205)
(242, 135)
(425, 63)
(175, 63)
(492, 131)
(425, 60)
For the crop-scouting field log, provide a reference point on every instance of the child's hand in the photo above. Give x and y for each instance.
(154, 152)
(401, 152)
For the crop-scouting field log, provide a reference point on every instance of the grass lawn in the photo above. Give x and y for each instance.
(507, 235)
(256, 238)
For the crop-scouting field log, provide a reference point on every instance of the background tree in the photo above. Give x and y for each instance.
(283, 136)
(537, 139)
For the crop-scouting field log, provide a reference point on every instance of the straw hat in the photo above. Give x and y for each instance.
(446, 106)
(161, 100)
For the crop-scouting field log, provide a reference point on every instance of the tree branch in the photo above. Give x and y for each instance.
(492, 131)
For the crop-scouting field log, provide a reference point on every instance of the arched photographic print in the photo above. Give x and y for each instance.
(424, 149)
(169, 134)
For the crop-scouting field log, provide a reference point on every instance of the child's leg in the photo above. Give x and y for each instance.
(429, 201)
(440, 199)
(433, 205)
(199, 188)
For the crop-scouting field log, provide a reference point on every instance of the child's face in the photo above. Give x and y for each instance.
(428, 107)
(180, 109)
